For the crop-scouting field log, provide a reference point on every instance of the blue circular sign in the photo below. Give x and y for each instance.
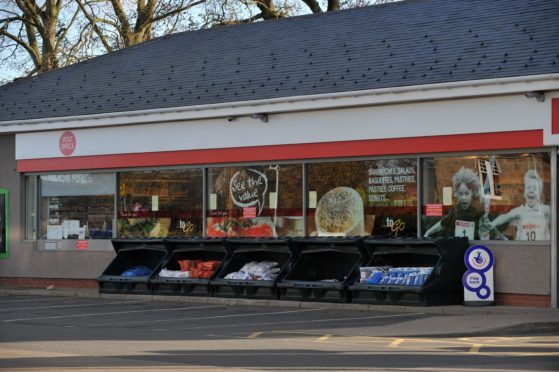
(479, 258)
(473, 280)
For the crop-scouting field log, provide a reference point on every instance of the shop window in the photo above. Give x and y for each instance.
(160, 203)
(30, 207)
(497, 197)
(77, 206)
(374, 197)
(263, 200)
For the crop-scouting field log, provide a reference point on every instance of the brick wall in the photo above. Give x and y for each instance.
(45, 282)
(527, 300)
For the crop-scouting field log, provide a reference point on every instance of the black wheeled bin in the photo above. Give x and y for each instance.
(258, 254)
(412, 272)
(199, 258)
(323, 269)
(132, 268)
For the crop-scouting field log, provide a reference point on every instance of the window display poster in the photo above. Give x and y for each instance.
(4, 225)
(494, 197)
(255, 201)
(372, 197)
(158, 204)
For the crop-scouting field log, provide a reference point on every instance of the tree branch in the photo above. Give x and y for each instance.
(333, 5)
(314, 6)
(60, 36)
(21, 42)
(176, 11)
(121, 15)
(91, 19)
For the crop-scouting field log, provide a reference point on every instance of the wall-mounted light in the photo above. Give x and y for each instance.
(539, 96)
(263, 117)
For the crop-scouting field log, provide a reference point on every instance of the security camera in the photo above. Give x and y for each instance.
(539, 96)
(231, 118)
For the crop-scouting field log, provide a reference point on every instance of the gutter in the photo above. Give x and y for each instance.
(371, 97)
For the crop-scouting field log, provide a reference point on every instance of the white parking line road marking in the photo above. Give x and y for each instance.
(59, 306)
(324, 338)
(221, 326)
(203, 318)
(111, 313)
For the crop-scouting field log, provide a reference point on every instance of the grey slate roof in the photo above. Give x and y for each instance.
(399, 44)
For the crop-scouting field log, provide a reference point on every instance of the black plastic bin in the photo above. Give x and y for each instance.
(193, 249)
(323, 269)
(442, 286)
(243, 251)
(132, 253)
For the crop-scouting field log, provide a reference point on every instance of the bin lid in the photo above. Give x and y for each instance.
(258, 243)
(453, 249)
(447, 249)
(195, 243)
(346, 244)
(373, 245)
(121, 244)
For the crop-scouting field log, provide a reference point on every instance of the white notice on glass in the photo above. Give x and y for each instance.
(312, 199)
(213, 201)
(273, 200)
(154, 203)
(81, 233)
(73, 227)
(65, 229)
(447, 195)
(54, 232)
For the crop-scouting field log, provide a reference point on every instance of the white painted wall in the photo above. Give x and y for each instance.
(457, 116)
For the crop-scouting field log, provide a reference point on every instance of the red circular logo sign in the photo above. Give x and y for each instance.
(67, 143)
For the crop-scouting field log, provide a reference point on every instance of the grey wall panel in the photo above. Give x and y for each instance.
(524, 269)
(27, 262)
(10, 179)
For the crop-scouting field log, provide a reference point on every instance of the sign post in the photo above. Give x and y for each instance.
(478, 279)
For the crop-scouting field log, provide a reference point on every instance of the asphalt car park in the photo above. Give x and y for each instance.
(118, 333)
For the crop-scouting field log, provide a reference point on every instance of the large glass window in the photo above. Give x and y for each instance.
(160, 203)
(77, 206)
(375, 197)
(263, 200)
(504, 196)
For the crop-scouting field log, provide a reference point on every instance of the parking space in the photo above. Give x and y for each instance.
(39, 332)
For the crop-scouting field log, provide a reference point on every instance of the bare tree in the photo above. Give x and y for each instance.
(223, 12)
(33, 32)
(38, 36)
(119, 23)
(41, 35)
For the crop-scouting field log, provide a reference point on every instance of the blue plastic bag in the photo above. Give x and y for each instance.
(137, 271)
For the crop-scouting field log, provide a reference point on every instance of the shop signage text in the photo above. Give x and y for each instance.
(67, 143)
